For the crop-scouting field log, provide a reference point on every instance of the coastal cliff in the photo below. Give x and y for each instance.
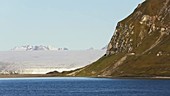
(140, 45)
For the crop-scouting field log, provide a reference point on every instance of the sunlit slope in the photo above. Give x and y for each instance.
(140, 45)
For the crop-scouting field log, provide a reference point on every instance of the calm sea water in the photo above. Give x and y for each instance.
(83, 87)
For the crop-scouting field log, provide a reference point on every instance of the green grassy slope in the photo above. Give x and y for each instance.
(140, 45)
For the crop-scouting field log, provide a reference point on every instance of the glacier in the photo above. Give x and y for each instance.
(42, 62)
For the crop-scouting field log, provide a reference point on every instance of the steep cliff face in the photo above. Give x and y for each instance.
(150, 20)
(140, 45)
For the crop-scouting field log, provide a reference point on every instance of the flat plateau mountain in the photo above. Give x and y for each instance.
(140, 45)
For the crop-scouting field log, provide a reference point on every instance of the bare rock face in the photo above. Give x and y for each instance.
(150, 19)
(140, 45)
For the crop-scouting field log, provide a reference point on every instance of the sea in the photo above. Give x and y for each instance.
(80, 86)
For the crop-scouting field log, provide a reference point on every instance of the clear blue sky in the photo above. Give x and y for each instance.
(75, 24)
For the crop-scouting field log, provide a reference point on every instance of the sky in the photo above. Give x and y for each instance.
(74, 24)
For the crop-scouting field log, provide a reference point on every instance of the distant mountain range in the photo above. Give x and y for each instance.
(44, 48)
(36, 48)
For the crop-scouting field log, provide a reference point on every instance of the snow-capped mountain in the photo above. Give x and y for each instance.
(36, 48)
